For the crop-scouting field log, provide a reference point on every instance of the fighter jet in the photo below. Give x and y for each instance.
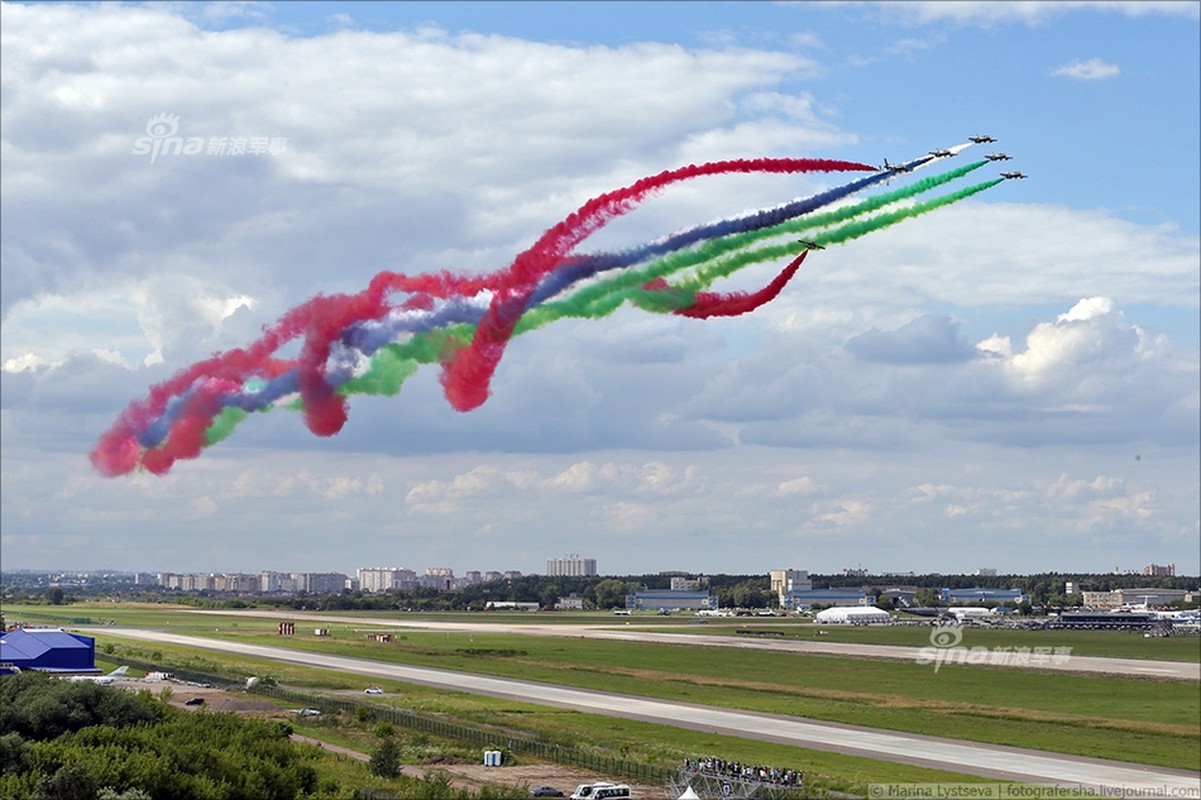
(941, 153)
(811, 245)
(981, 138)
(998, 156)
(102, 679)
(894, 167)
(1008, 175)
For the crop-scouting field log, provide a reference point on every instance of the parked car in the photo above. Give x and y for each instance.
(195, 701)
(545, 791)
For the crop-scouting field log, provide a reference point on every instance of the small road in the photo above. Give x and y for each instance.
(1002, 763)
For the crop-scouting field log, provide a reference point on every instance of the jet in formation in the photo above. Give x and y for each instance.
(998, 156)
(941, 153)
(981, 138)
(811, 245)
(894, 167)
(1008, 175)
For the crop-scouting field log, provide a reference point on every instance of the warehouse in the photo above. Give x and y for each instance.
(827, 597)
(48, 649)
(670, 600)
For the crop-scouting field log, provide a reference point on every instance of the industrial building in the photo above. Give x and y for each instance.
(1145, 596)
(827, 597)
(980, 594)
(48, 650)
(785, 581)
(670, 600)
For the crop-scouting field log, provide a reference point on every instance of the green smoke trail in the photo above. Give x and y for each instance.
(223, 424)
(393, 363)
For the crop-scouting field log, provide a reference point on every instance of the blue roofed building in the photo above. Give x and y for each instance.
(48, 650)
(979, 594)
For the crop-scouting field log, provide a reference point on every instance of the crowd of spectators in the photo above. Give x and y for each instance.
(720, 768)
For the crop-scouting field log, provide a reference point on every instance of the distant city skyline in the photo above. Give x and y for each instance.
(1150, 569)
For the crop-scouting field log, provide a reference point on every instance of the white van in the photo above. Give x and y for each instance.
(601, 791)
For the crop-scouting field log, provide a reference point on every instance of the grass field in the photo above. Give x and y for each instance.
(1082, 643)
(1138, 720)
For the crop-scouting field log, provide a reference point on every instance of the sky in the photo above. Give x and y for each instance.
(1009, 382)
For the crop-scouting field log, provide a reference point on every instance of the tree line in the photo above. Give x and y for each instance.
(84, 741)
(604, 593)
(61, 740)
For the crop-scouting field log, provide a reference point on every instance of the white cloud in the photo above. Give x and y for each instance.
(804, 486)
(844, 514)
(1030, 12)
(1093, 332)
(182, 315)
(1091, 70)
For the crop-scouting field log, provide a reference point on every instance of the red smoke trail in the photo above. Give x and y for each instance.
(466, 378)
(714, 304)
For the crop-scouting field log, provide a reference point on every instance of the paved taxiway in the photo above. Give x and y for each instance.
(1003, 763)
(1129, 667)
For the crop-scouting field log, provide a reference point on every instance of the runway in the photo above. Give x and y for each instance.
(1002, 763)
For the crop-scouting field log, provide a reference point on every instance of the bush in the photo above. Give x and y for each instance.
(385, 759)
(65, 740)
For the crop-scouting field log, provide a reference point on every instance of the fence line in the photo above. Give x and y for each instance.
(489, 737)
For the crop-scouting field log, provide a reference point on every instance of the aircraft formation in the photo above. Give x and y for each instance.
(943, 152)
